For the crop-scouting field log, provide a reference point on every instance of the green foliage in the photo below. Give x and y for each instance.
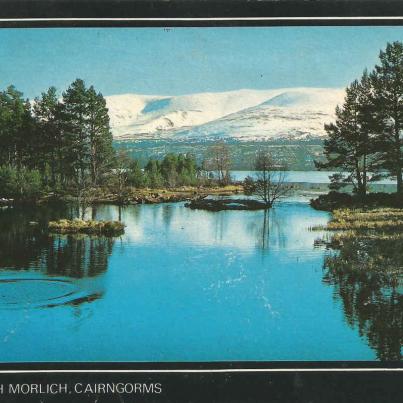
(336, 200)
(136, 176)
(387, 84)
(8, 179)
(173, 170)
(21, 184)
(365, 143)
(348, 147)
(86, 131)
(47, 136)
(16, 124)
(154, 177)
(61, 144)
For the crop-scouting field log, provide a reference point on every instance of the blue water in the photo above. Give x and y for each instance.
(179, 285)
(314, 177)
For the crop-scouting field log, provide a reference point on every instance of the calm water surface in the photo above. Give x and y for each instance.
(314, 177)
(179, 285)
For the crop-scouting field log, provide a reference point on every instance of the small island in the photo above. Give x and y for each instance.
(89, 227)
(226, 204)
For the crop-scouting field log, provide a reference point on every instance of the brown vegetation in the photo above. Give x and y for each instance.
(107, 228)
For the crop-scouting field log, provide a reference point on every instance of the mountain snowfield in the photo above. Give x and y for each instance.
(292, 113)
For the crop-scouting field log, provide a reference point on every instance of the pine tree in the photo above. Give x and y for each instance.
(101, 151)
(87, 133)
(188, 170)
(169, 169)
(153, 173)
(348, 146)
(74, 117)
(387, 81)
(48, 134)
(16, 124)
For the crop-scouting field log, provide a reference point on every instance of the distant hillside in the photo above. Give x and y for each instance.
(297, 155)
(247, 115)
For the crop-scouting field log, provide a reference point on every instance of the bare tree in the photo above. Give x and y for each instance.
(120, 176)
(219, 160)
(270, 178)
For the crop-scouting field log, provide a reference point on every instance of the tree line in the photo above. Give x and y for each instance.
(54, 143)
(365, 142)
(173, 170)
(64, 144)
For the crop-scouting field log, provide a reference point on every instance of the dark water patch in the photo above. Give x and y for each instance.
(78, 300)
(35, 292)
(367, 276)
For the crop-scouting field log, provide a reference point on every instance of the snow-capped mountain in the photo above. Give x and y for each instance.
(244, 114)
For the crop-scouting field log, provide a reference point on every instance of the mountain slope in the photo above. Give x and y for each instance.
(243, 114)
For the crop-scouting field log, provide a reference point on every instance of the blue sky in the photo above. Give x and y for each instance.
(187, 60)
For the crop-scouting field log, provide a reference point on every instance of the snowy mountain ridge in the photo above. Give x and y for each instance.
(242, 114)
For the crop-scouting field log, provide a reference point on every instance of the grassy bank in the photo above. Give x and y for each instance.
(369, 245)
(359, 222)
(90, 227)
(131, 195)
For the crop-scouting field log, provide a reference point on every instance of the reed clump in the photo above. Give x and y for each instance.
(90, 227)
(379, 222)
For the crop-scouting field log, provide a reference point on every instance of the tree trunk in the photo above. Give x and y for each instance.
(399, 187)
(364, 176)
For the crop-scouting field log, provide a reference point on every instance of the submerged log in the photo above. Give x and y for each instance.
(226, 204)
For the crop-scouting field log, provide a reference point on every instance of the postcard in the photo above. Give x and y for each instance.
(200, 195)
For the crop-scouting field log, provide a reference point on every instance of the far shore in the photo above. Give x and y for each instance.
(133, 196)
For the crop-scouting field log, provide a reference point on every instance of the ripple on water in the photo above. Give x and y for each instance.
(19, 293)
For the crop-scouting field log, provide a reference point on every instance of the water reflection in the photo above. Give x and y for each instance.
(268, 231)
(22, 235)
(253, 278)
(76, 256)
(38, 269)
(367, 276)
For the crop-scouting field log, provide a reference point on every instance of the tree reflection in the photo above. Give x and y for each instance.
(367, 274)
(22, 235)
(263, 241)
(267, 230)
(77, 256)
(26, 245)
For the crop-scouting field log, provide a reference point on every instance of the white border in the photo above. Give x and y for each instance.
(235, 19)
(221, 370)
(224, 370)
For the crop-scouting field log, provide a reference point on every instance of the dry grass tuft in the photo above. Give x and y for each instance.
(384, 222)
(77, 226)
